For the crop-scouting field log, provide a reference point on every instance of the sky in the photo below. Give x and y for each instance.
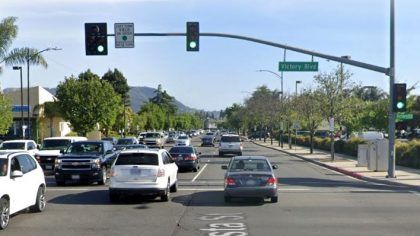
(224, 71)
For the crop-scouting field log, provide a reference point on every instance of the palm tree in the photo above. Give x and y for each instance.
(8, 32)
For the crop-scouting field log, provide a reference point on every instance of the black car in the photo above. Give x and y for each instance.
(85, 161)
(123, 142)
(186, 157)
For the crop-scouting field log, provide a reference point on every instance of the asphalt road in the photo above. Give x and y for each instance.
(312, 201)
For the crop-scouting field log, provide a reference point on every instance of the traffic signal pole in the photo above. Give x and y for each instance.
(387, 71)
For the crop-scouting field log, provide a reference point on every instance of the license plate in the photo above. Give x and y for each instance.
(180, 158)
(48, 167)
(251, 182)
(75, 177)
(135, 171)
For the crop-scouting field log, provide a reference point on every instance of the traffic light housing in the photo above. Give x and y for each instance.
(193, 36)
(401, 125)
(96, 39)
(400, 98)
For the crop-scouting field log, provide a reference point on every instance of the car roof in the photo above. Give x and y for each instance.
(155, 151)
(250, 158)
(18, 141)
(66, 137)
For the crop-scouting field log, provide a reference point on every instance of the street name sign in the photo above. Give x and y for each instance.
(298, 66)
(124, 35)
(405, 116)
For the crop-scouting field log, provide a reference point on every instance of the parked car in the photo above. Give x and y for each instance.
(230, 144)
(250, 176)
(85, 161)
(51, 148)
(22, 184)
(122, 142)
(186, 157)
(183, 140)
(144, 172)
(19, 145)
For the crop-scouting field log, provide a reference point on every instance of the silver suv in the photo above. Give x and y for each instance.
(230, 144)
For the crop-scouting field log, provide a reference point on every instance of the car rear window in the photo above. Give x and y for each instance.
(250, 165)
(137, 159)
(181, 150)
(230, 139)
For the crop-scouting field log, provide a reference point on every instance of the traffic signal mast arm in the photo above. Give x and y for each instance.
(367, 66)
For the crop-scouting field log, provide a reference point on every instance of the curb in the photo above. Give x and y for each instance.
(340, 170)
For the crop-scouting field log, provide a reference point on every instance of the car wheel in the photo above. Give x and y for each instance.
(166, 194)
(103, 176)
(4, 213)
(174, 187)
(41, 201)
(274, 199)
(228, 199)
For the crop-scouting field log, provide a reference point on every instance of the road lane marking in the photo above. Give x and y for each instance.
(198, 174)
(200, 189)
(415, 193)
(69, 189)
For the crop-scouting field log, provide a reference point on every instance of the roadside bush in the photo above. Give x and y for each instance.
(408, 154)
(350, 147)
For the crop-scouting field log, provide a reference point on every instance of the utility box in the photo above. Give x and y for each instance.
(382, 147)
(374, 155)
(362, 155)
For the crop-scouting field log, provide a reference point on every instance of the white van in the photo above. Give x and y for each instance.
(51, 148)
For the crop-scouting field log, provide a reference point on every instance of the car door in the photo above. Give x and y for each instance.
(170, 166)
(19, 186)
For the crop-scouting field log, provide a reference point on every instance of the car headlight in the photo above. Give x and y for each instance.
(57, 163)
(96, 163)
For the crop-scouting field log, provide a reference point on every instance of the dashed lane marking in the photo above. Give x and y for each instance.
(199, 173)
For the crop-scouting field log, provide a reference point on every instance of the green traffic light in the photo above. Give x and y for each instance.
(193, 44)
(100, 48)
(400, 105)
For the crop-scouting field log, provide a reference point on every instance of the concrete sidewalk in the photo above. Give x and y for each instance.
(348, 165)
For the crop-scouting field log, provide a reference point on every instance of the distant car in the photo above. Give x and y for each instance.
(140, 138)
(154, 139)
(208, 139)
(19, 145)
(22, 184)
(183, 140)
(172, 138)
(135, 146)
(250, 176)
(322, 133)
(230, 144)
(122, 142)
(113, 140)
(186, 157)
(144, 172)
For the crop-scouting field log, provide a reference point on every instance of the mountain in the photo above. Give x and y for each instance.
(138, 96)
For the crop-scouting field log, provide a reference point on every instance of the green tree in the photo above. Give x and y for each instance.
(8, 32)
(6, 113)
(88, 101)
(164, 100)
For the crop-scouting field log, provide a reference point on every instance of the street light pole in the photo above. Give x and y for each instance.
(297, 82)
(28, 59)
(21, 99)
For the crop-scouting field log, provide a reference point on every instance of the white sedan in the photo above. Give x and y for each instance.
(22, 184)
(183, 140)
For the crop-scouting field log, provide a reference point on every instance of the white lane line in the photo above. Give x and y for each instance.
(198, 174)
(200, 189)
(415, 193)
(293, 189)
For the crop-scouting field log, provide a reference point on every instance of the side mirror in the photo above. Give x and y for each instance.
(16, 174)
(224, 167)
(275, 167)
(62, 151)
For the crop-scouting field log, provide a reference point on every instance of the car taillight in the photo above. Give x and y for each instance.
(271, 181)
(113, 173)
(190, 158)
(230, 181)
(161, 173)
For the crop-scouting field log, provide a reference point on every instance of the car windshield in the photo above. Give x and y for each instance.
(135, 146)
(12, 145)
(230, 139)
(249, 165)
(182, 137)
(53, 144)
(94, 148)
(152, 135)
(3, 167)
(181, 150)
(125, 141)
(137, 159)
